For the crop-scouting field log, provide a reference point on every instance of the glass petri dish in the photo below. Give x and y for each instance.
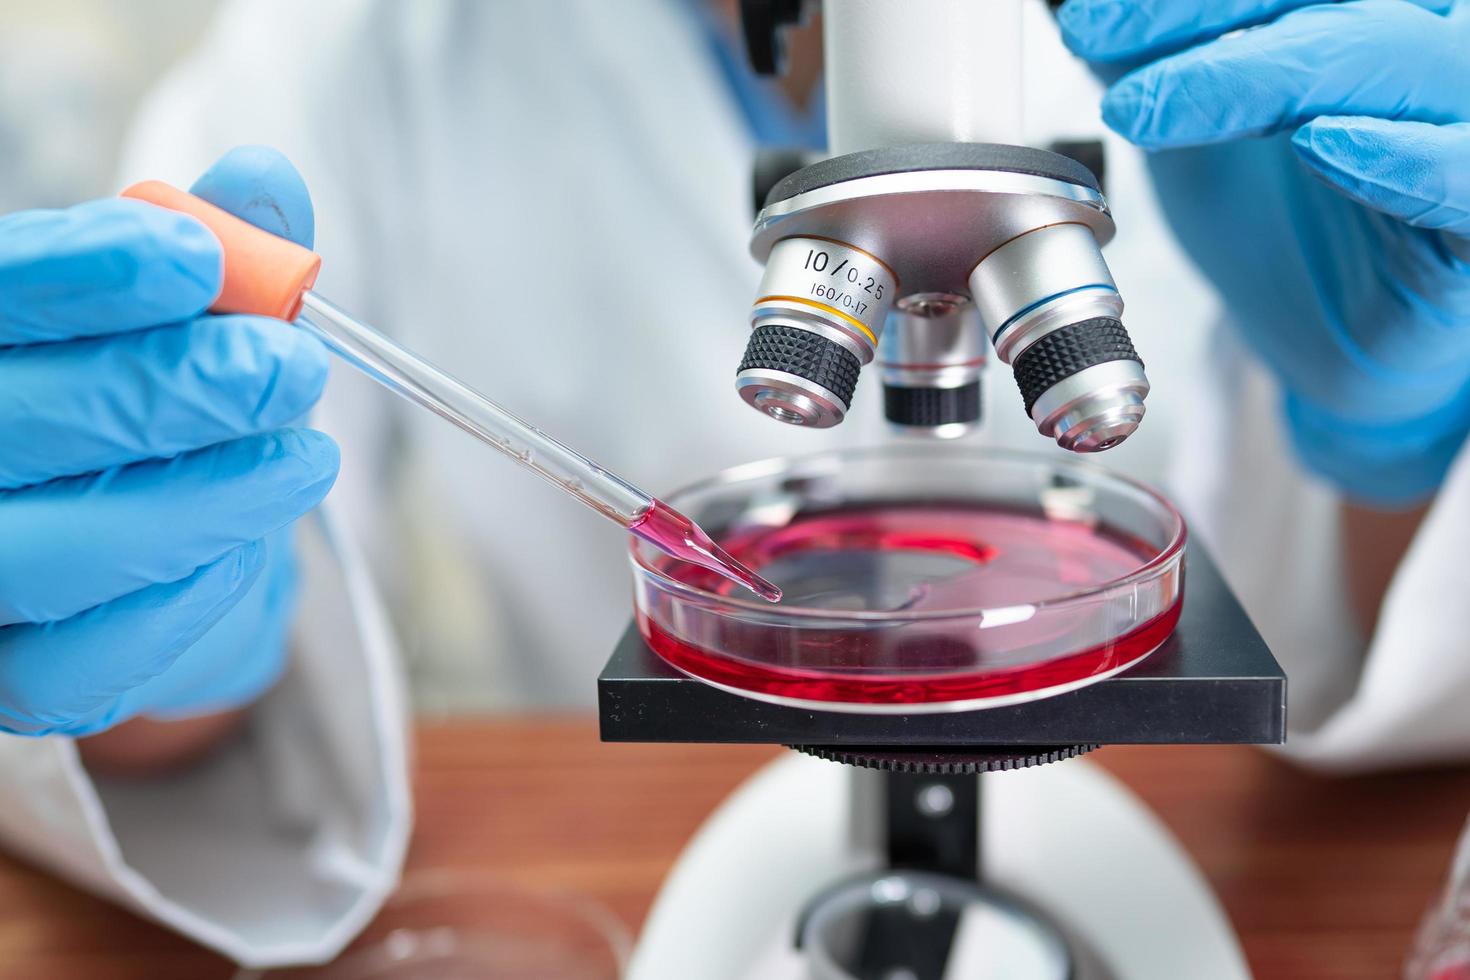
(454, 926)
(918, 578)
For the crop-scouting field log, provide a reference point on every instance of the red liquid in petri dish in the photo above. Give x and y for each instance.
(906, 559)
(679, 537)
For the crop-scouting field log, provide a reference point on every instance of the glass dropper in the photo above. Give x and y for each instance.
(271, 276)
(607, 493)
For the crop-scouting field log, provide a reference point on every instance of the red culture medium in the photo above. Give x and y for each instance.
(676, 535)
(908, 559)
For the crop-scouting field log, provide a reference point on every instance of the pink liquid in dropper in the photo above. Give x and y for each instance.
(674, 534)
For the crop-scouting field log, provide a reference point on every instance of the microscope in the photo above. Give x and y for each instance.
(926, 239)
(930, 235)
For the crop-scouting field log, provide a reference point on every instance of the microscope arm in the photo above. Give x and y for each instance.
(921, 71)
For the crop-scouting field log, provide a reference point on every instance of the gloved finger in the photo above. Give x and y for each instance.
(74, 543)
(1130, 30)
(79, 407)
(240, 657)
(67, 676)
(102, 267)
(1416, 172)
(1382, 58)
(116, 265)
(259, 184)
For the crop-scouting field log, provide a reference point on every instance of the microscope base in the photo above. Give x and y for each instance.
(1118, 880)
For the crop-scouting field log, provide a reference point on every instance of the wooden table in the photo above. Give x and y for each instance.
(1322, 877)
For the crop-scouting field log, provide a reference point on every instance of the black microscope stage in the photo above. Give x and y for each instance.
(1212, 681)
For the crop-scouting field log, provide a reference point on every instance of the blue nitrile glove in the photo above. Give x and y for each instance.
(1318, 169)
(148, 473)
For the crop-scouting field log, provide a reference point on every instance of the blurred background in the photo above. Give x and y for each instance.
(71, 74)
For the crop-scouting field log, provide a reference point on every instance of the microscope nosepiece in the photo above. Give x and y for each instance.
(816, 322)
(1054, 314)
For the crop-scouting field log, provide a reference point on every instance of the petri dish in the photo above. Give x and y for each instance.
(918, 578)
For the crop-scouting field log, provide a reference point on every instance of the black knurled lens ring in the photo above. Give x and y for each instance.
(776, 347)
(1062, 353)
(930, 407)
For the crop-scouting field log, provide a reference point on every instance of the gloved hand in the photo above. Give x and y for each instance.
(1317, 167)
(148, 476)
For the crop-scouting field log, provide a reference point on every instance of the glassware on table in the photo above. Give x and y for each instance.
(1442, 948)
(451, 926)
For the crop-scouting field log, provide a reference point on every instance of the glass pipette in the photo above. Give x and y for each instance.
(607, 493)
(272, 276)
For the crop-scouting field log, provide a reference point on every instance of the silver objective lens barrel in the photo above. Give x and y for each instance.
(909, 237)
(815, 323)
(1052, 311)
(926, 183)
(930, 359)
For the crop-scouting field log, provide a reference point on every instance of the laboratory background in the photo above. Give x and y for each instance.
(664, 489)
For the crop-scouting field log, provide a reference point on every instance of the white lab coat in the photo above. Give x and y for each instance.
(551, 199)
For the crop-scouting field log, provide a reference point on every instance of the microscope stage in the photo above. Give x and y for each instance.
(1213, 680)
